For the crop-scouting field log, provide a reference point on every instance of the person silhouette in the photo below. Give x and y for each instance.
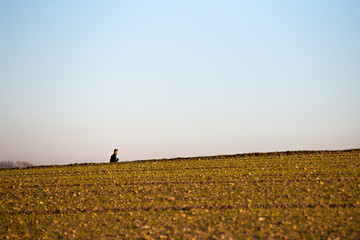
(113, 157)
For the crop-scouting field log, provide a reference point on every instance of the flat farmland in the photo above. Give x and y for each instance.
(286, 195)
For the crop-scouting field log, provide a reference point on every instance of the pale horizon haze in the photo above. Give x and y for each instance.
(164, 79)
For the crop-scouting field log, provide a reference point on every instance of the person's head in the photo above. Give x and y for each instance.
(116, 151)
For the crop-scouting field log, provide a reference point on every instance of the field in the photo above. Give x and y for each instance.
(288, 195)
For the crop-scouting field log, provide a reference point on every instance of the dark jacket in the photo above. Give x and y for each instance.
(113, 158)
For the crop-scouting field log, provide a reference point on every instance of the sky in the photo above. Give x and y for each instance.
(164, 79)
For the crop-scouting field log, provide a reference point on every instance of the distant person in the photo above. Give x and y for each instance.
(113, 157)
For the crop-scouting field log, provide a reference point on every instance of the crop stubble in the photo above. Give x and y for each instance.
(290, 195)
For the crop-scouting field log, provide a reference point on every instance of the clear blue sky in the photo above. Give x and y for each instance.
(161, 79)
